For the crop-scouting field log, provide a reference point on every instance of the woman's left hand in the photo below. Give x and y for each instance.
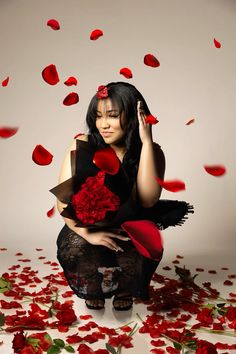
(145, 129)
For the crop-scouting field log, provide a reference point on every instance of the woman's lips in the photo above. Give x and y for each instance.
(106, 133)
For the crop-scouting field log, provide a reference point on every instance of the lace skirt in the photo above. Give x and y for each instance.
(96, 272)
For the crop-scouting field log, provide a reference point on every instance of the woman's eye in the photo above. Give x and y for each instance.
(114, 116)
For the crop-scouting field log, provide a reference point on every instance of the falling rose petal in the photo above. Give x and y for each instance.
(71, 99)
(217, 43)
(7, 132)
(96, 34)
(150, 119)
(51, 212)
(215, 170)
(50, 74)
(107, 160)
(172, 186)
(126, 72)
(191, 121)
(54, 24)
(71, 81)
(41, 156)
(5, 82)
(150, 60)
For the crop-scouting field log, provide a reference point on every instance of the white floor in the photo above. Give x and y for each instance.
(109, 317)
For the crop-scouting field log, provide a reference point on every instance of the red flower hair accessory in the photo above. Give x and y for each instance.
(102, 91)
(94, 199)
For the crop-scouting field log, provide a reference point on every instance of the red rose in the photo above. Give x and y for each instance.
(231, 313)
(29, 349)
(66, 315)
(45, 341)
(94, 199)
(205, 316)
(102, 92)
(205, 347)
(18, 341)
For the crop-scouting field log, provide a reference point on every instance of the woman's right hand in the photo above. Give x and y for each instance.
(106, 238)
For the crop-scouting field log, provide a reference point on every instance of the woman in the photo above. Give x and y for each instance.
(98, 258)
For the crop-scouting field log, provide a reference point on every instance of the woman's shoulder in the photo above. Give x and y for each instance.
(81, 137)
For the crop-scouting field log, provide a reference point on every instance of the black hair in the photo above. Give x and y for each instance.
(125, 96)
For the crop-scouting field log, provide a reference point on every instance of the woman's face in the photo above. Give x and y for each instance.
(108, 121)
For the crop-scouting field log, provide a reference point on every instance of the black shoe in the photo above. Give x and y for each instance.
(95, 307)
(127, 298)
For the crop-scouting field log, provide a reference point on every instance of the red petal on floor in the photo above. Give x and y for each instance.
(85, 317)
(158, 342)
(150, 60)
(96, 34)
(232, 294)
(71, 99)
(166, 268)
(51, 212)
(217, 43)
(180, 257)
(225, 268)
(228, 282)
(191, 121)
(41, 156)
(150, 119)
(5, 82)
(172, 186)
(126, 72)
(107, 160)
(38, 249)
(212, 271)
(215, 170)
(54, 24)
(71, 81)
(199, 270)
(50, 74)
(232, 276)
(7, 132)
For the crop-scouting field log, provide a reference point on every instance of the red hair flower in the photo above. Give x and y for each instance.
(102, 92)
(94, 199)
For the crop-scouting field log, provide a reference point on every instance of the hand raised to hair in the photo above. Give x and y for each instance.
(145, 129)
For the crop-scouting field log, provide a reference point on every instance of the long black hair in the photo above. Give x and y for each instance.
(125, 96)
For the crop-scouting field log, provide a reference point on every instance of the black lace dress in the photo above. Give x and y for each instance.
(96, 272)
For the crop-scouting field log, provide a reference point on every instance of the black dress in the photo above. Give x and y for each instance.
(96, 272)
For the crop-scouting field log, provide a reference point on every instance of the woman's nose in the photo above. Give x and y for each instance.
(104, 122)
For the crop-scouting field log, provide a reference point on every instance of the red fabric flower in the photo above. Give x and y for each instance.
(18, 341)
(71, 98)
(205, 347)
(126, 72)
(96, 34)
(54, 24)
(102, 92)
(7, 132)
(94, 199)
(150, 60)
(50, 75)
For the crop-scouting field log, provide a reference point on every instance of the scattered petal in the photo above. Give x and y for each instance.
(150, 60)
(217, 43)
(150, 119)
(191, 121)
(5, 82)
(54, 24)
(71, 81)
(96, 34)
(126, 72)
(199, 270)
(71, 99)
(7, 132)
(166, 268)
(85, 317)
(51, 212)
(107, 160)
(212, 271)
(215, 170)
(228, 282)
(41, 156)
(172, 186)
(50, 74)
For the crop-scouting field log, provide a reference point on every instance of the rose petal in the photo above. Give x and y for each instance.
(217, 44)
(5, 82)
(228, 282)
(51, 212)
(107, 160)
(71, 99)
(172, 186)
(150, 119)
(71, 81)
(41, 156)
(126, 72)
(54, 24)
(150, 60)
(7, 132)
(95, 34)
(191, 121)
(215, 170)
(50, 74)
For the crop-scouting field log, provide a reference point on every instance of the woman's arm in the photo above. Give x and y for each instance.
(151, 165)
